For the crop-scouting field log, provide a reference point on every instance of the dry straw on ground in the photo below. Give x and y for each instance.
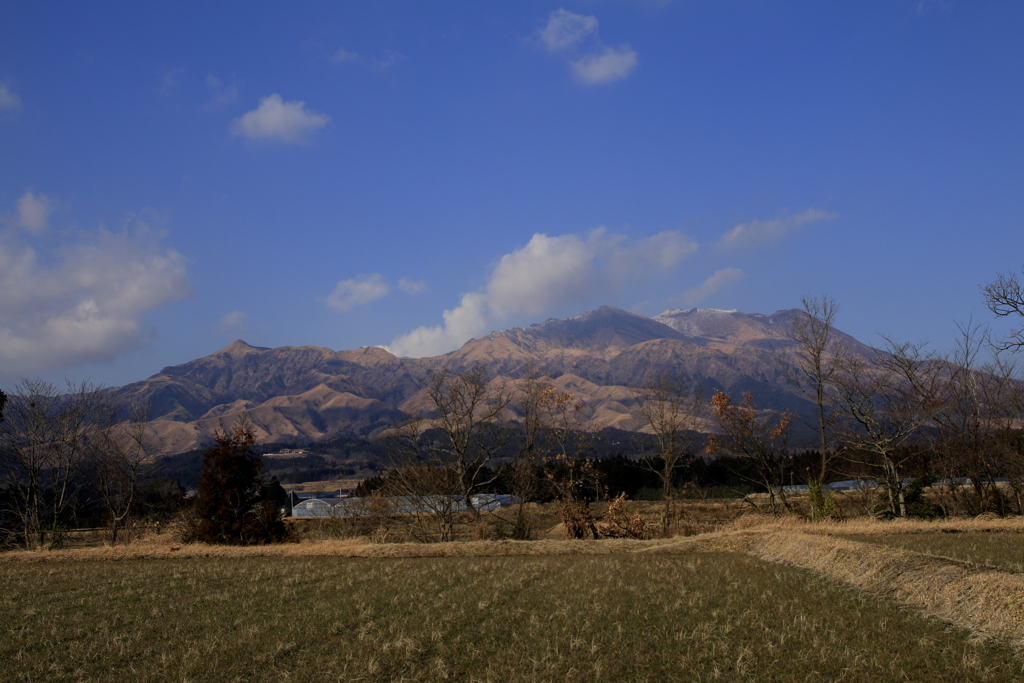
(165, 547)
(987, 601)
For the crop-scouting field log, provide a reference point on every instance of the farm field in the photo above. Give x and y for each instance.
(1002, 550)
(691, 616)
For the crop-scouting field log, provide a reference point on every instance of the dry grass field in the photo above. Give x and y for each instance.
(1002, 550)
(611, 617)
(758, 599)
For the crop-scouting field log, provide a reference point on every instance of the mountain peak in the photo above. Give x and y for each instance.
(732, 325)
(604, 312)
(240, 348)
(698, 311)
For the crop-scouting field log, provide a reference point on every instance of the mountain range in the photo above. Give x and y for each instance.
(308, 392)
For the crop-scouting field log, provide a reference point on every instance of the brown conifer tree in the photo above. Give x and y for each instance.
(229, 507)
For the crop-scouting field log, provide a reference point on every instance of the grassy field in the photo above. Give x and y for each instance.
(635, 617)
(1002, 550)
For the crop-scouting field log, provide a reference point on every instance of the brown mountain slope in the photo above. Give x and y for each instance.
(309, 392)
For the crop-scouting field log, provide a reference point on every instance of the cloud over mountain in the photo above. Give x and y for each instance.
(549, 273)
(718, 280)
(357, 291)
(758, 232)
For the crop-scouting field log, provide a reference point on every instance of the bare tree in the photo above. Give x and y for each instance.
(469, 414)
(1005, 298)
(532, 395)
(439, 462)
(45, 453)
(554, 440)
(570, 472)
(762, 440)
(121, 455)
(812, 366)
(885, 401)
(421, 482)
(979, 409)
(671, 407)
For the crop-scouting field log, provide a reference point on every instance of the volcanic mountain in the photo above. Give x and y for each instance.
(309, 392)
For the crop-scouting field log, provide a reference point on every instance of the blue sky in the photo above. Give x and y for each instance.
(174, 176)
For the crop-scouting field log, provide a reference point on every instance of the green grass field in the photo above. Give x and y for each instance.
(1002, 550)
(688, 617)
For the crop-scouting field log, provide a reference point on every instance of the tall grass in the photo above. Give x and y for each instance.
(523, 618)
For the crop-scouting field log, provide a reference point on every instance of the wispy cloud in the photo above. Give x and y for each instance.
(33, 212)
(221, 94)
(170, 81)
(357, 291)
(65, 301)
(232, 322)
(757, 232)
(545, 275)
(364, 289)
(412, 286)
(608, 65)
(591, 62)
(565, 30)
(923, 7)
(719, 280)
(343, 56)
(275, 119)
(10, 102)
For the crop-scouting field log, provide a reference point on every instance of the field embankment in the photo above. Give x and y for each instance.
(982, 599)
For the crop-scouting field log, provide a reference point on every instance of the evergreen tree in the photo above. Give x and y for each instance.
(230, 507)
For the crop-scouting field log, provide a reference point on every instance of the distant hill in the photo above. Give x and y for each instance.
(306, 392)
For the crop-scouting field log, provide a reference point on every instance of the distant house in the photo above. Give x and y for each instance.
(316, 507)
(331, 506)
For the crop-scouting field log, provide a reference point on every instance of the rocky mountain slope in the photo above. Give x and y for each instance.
(312, 392)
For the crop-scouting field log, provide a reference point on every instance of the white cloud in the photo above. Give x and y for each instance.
(565, 30)
(465, 321)
(9, 100)
(720, 279)
(275, 119)
(33, 212)
(357, 291)
(608, 65)
(63, 304)
(757, 232)
(411, 286)
(222, 94)
(364, 289)
(545, 275)
(591, 65)
(235, 320)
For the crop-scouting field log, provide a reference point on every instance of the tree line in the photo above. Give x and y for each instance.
(897, 418)
(71, 457)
